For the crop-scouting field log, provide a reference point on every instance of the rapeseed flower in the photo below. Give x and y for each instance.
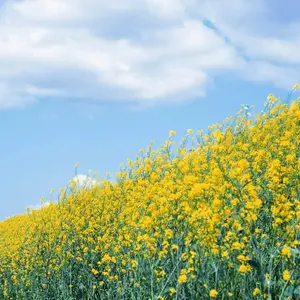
(193, 219)
(213, 293)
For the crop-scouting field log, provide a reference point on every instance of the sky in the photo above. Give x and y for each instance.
(94, 81)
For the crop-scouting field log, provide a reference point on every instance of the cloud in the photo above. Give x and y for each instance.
(13, 96)
(140, 52)
(278, 75)
(38, 206)
(83, 181)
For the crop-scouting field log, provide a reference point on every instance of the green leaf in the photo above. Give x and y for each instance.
(295, 251)
(212, 263)
(289, 291)
(297, 290)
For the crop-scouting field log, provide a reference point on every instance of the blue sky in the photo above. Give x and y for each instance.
(95, 81)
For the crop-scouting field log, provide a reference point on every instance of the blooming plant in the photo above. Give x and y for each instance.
(219, 220)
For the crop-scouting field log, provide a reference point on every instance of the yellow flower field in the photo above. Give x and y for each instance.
(217, 221)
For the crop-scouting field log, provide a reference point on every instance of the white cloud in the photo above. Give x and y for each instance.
(281, 76)
(272, 49)
(166, 8)
(83, 181)
(41, 10)
(140, 51)
(13, 96)
(36, 91)
(38, 206)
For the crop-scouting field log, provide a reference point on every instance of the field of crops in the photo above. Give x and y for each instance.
(218, 220)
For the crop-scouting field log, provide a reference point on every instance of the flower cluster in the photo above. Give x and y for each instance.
(219, 220)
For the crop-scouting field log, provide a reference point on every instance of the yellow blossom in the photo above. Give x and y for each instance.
(256, 291)
(182, 279)
(172, 133)
(213, 293)
(172, 291)
(286, 251)
(286, 275)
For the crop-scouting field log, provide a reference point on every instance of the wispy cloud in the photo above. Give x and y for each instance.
(90, 50)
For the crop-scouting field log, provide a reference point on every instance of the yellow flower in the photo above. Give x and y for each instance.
(213, 293)
(216, 203)
(169, 233)
(174, 247)
(182, 279)
(296, 86)
(172, 291)
(286, 275)
(190, 131)
(256, 291)
(271, 98)
(95, 272)
(243, 258)
(286, 252)
(243, 268)
(236, 246)
(172, 133)
(134, 263)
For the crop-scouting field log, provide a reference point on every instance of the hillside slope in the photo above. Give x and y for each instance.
(220, 221)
